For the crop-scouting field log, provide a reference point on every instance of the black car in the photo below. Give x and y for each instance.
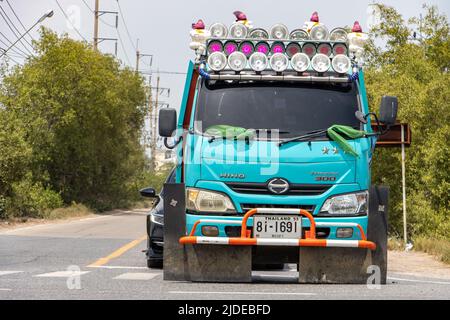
(155, 230)
(155, 225)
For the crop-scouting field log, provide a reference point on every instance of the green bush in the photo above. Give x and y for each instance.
(417, 73)
(71, 117)
(32, 199)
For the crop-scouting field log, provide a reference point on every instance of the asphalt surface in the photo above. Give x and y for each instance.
(102, 258)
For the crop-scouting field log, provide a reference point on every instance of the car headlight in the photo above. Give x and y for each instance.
(351, 203)
(208, 201)
(157, 218)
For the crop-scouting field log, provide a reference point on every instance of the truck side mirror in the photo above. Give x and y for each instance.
(388, 110)
(167, 122)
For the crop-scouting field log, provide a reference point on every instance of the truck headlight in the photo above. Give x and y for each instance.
(208, 201)
(320, 62)
(351, 203)
(157, 218)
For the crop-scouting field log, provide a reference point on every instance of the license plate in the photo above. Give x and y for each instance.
(277, 227)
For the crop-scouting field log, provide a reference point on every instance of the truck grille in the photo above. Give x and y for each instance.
(294, 189)
(249, 206)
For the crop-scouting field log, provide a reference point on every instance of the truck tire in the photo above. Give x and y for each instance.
(377, 229)
(266, 266)
(154, 264)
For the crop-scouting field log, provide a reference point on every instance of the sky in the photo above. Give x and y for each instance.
(162, 27)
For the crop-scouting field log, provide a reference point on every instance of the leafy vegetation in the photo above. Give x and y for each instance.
(71, 118)
(70, 124)
(439, 248)
(416, 71)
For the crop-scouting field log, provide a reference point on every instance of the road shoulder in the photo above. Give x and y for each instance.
(417, 264)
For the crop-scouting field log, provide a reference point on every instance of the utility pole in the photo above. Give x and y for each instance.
(150, 112)
(138, 55)
(97, 14)
(405, 232)
(153, 120)
(96, 24)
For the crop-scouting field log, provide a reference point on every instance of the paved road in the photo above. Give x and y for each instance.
(39, 262)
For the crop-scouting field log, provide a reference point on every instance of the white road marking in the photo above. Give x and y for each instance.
(136, 276)
(62, 274)
(247, 293)
(3, 273)
(419, 281)
(118, 267)
(5, 289)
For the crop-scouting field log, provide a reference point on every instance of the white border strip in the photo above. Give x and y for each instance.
(212, 240)
(343, 243)
(277, 242)
(250, 293)
(419, 281)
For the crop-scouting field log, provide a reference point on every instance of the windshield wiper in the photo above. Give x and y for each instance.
(270, 131)
(305, 137)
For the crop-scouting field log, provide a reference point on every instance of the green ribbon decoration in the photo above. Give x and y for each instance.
(226, 131)
(340, 134)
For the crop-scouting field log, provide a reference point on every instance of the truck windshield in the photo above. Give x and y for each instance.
(292, 108)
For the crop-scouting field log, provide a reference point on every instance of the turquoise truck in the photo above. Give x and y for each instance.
(274, 142)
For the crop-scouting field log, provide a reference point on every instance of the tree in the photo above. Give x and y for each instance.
(78, 115)
(416, 71)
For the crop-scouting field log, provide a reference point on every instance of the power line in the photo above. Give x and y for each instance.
(13, 55)
(18, 34)
(100, 18)
(126, 27)
(16, 49)
(163, 72)
(12, 30)
(10, 56)
(67, 18)
(17, 17)
(117, 31)
(123, 47)
(12, 59)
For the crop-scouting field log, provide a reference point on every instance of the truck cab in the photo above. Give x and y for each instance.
(256, 152)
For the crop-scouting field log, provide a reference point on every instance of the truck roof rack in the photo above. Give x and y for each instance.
(307, 54)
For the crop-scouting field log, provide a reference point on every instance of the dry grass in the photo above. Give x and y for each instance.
(440, 248)
(435, 247)
(395, 244)
(72, 211)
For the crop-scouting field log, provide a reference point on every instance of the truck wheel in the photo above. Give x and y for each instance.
(377, 229)
(154, 264)
(265, 266)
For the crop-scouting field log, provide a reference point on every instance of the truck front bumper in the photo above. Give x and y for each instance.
(309, 240)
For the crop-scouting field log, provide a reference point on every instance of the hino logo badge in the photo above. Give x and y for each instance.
(278, 186)
(232, 175)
